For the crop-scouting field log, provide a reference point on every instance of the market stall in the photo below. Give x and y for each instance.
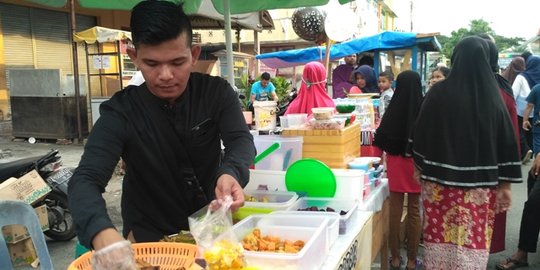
(404, 50)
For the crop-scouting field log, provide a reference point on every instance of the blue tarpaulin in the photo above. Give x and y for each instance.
(379, 42)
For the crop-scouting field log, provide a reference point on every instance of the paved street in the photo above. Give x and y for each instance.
(62, 253)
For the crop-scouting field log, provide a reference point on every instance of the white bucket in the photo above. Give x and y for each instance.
(265, 115)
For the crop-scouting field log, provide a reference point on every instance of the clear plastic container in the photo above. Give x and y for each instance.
(333, 222)
(334, 123)
(323, 113)
(338, 205)
(277, 200)
(289, 151)
(349, 183)
(266, 202)
(296, 120)
(311, 256)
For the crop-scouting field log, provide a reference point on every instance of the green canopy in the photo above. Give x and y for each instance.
(192, 6)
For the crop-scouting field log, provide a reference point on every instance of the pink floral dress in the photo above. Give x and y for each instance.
(458, 223)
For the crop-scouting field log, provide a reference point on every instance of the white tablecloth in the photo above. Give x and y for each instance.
(374, 201)
(343, 242)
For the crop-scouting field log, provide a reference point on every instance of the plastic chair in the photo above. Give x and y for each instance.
(19, 212)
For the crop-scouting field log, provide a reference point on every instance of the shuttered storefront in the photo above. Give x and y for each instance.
(16, 27)
(39, 38)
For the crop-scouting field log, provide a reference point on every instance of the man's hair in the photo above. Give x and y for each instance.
(154, 22)
(387, 75)
(265, 76)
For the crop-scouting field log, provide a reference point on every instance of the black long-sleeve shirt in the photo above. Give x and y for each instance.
(152, 137)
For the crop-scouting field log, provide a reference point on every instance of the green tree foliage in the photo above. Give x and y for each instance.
(476, 27)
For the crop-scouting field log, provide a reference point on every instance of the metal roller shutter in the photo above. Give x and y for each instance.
(17, 33)
(53, 50)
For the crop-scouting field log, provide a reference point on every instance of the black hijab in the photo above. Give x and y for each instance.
(398, 120)
(463, 135)
(494, 64)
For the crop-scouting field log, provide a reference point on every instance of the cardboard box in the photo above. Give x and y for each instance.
(16, 233)
(29, 188)
(335, 148)
(22, 253)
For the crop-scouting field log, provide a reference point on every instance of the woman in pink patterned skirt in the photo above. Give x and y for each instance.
(465, 153)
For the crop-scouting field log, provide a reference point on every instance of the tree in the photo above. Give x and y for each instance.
(476, 27)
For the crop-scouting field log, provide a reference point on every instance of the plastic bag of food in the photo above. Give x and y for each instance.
(212, 229)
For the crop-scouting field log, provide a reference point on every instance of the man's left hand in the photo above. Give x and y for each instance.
(227, 185)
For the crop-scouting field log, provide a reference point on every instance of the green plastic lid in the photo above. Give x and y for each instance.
(312, 177)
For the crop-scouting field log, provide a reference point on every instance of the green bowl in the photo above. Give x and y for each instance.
(346, 108)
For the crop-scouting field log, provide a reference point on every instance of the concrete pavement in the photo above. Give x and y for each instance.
(62, 253)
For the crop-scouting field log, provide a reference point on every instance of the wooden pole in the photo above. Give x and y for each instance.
(73, 27)
(327, 64)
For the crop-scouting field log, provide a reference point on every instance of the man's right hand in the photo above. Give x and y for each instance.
(105, 238)
(112, 251)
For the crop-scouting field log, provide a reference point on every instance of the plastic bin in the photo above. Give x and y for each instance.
(311, 256)
(332, 231)
(290, 150)
(276, 200)
(350, 206)
(349, 183)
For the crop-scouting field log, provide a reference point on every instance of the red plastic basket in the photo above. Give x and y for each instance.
(166, 255)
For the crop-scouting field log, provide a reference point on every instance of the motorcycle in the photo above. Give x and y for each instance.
(49, 167)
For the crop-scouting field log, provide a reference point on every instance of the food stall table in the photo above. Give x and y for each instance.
(353, 249)
(377, 202)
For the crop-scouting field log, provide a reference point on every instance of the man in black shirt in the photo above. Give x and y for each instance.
(168, 131)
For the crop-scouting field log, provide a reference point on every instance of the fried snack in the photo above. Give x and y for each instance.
(180, 237)
(143, 265)
(255, 242)
(225, 255)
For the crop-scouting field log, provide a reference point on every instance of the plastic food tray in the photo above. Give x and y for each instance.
(332, 231)
(277, 200)
(350, 206)
(311, 256)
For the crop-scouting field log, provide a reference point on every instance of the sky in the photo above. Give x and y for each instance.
(508, 18)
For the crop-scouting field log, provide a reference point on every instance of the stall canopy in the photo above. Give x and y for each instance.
(380, 42)
(224, 7)
(100, 35)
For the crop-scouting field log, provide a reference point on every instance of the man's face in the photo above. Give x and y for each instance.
(264, 83)
(350, 60)
(166, 67)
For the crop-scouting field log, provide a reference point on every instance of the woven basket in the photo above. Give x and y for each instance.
(168, 256)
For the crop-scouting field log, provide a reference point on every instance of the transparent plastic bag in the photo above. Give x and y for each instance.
(118, 256)
(212, 229)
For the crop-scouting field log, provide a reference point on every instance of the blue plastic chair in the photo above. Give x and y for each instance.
(19, 212)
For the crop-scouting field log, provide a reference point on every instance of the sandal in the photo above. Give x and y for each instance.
(515, 264)
(417, 266)
(391, 267)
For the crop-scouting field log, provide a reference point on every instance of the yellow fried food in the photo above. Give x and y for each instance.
(225, 255)
(254, 241)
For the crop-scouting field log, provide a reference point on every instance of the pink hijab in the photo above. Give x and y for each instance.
(312, 92)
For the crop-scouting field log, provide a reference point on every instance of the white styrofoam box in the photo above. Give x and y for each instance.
(350, 206)
(349, 183)
(311, 256)
(333, 222)
(277, 200)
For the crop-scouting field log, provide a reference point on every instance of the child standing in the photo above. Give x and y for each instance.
(385, 86)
